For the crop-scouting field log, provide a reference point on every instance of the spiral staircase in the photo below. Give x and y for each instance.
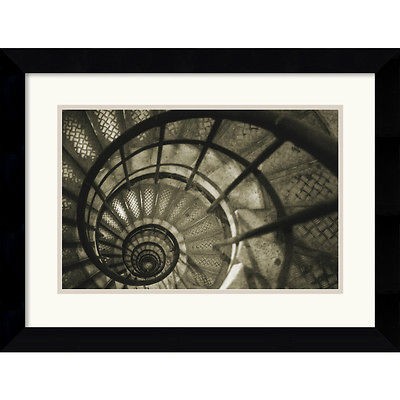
(199, 199)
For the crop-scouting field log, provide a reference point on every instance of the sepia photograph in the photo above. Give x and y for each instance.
(199, 199)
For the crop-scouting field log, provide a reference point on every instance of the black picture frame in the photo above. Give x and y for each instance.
(384, 63)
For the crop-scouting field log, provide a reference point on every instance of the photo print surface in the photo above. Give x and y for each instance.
(199, 199)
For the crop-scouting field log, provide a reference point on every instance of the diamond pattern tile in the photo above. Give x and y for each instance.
(77, 134)
(108, 123)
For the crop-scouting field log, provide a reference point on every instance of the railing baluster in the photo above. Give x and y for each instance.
(315, 211)
(164, 284)
(254, 165)
(175, 271)
(110, 231)
(124, 165)
(175, 196)
(159, 153)
(175, 281)
(155, 202)
(210, 137)
(109, 283)
(98, 191)
(109, 207)
(107, 243)
(95, 132)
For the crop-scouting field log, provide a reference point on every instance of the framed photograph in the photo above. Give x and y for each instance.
(201, 200)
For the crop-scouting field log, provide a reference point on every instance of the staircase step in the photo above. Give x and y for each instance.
(195, 278)
(165, 194)
(306, 185)
(204, 246)
(187, 154)
(116, 177)
(75, 277)
(73, 254)
(320, 233)
(68, 206)
(72, 176)
(197, 128)
(223, 171)
(262, 254)
(107, 124)
(247, 194)
(236, 278)
(69, 233)
(179, 206)
(101, 280)
(197, 210)
(242, 138)
(318, 268)
(248, 219)
(148, 195)
(79, 138)
(212, 161)
(210, 264)
(169, 154)
(145, 158)
(208, 224)
(134, 117)
(287, 156)
(72, 277)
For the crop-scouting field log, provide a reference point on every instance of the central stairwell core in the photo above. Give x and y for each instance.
(168, 226)
(199, 199)
(150, 253)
